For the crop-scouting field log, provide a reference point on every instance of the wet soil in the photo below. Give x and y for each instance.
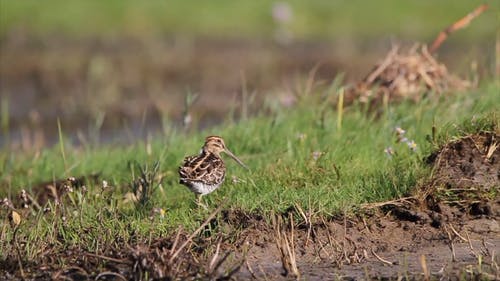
(383, 247)
(380, 244)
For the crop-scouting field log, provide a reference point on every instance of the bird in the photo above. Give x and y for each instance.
(205, 172)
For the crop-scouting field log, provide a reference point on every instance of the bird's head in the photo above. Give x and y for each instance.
(216, 145)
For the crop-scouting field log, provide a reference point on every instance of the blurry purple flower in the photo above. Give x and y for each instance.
(287, 100)
(282, 12)
(389, 151)
(316, 155)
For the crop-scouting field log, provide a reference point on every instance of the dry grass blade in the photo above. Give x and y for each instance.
(382, 259)
(216, 263)
(423, 263)
(491, 149)
(211, 266)
(451, 245)
(473, 251)
(397, 202)
(197, 231)
(286, 247)
(382, 66)
(456, 233)
(307, 220)
(110, 273)
(249, 268)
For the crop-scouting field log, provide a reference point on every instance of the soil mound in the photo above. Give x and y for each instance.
(471, 163)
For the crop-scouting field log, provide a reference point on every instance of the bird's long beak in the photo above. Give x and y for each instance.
(236, 158)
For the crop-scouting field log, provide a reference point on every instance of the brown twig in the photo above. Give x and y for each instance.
(252, 273)
(461, 23)
(470, 245)
(456, 233)
(382, 259)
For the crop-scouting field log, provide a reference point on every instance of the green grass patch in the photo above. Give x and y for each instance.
(299, 155)
(420, 20)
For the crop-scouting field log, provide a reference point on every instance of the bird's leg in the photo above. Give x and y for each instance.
(199, 201)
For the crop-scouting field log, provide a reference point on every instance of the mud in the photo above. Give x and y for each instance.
(385, 247)
(377, 245)
(472, 161)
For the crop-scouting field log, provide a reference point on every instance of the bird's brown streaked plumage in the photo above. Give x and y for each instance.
(205, 172)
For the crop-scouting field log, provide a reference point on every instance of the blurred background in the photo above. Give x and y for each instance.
(117, 71)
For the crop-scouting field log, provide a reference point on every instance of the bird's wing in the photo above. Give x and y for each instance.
(208, 169)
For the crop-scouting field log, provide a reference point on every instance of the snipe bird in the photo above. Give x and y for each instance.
(205, 172)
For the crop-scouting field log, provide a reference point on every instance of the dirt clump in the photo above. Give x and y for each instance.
(469, 165)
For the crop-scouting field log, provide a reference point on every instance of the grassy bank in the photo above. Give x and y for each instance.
(308, 155)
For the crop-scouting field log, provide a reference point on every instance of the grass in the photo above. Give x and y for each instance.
(297, 155)
(418, 20)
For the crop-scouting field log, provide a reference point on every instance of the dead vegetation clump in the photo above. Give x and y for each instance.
(402, 75)
(412, 74)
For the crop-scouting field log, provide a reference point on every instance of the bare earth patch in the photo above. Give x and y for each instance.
(469, 162)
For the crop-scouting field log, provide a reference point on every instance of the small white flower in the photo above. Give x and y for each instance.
(412, 145)
(301, 136)
(403, 140)
(235, 179)
(316, 155)
(399, 131)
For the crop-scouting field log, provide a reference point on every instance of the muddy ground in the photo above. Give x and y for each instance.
(385, 248)
(383, 245)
